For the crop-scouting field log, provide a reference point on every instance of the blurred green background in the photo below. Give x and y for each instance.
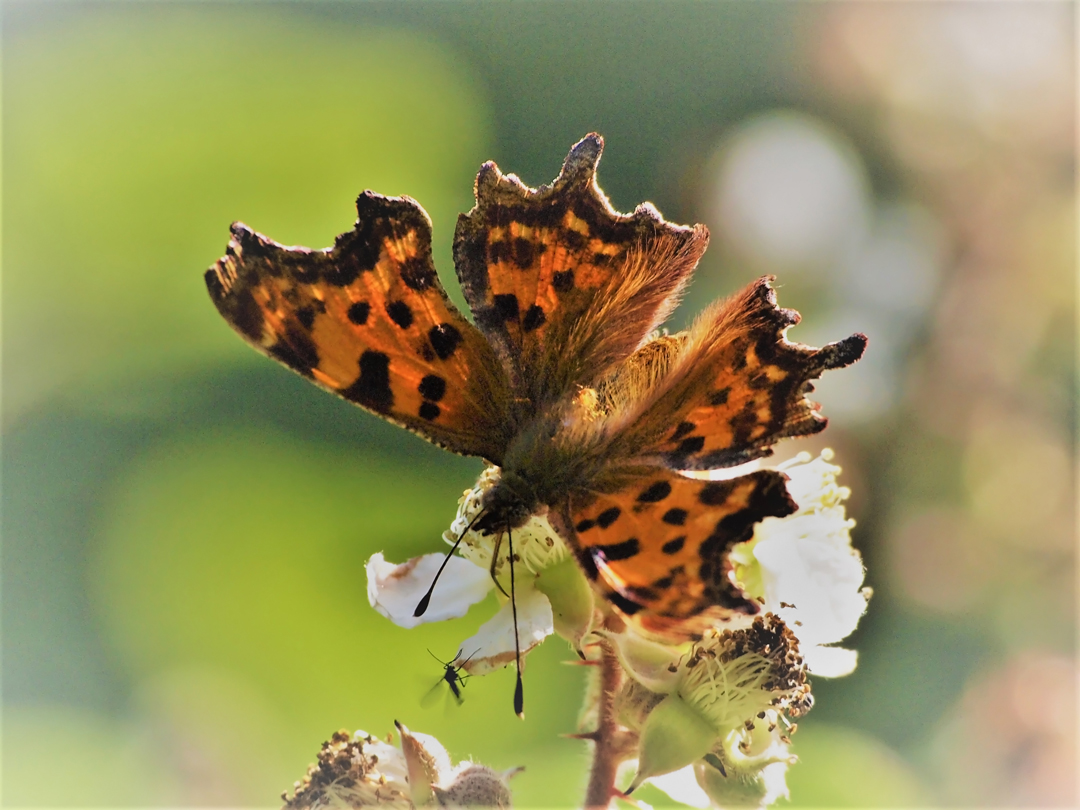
(185, 524)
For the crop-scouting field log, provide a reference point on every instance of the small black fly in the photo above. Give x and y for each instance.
(453, 677)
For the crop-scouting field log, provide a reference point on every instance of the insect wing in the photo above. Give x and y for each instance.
(660, 546)
(369, 320)
(738, 385)
(561, 284)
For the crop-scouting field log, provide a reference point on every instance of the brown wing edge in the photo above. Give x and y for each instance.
(230, 278)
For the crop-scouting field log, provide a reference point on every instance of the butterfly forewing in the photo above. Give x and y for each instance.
(660, 546)
(562, 284)
(369, 320)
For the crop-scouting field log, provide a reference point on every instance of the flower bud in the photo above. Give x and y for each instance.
(674, 735)
(476, 786)
(571, 599)
(734, 790)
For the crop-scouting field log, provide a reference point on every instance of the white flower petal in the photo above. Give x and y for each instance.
(775, 778)
(830, 662)
(493, 645)
(395, 590)
(822, 581)
(808, 571)
(682, 786)
(391, 762)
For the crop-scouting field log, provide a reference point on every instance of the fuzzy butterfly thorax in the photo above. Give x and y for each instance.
(561, 379)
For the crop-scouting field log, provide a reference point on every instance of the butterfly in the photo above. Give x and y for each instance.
(561, 379)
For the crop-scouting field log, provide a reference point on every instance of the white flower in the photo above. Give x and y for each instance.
(805, 569)
(545, 573)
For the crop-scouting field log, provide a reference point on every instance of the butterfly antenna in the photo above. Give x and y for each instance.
(519, 688)
(422, 605)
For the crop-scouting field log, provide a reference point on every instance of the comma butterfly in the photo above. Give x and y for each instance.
(562, 380)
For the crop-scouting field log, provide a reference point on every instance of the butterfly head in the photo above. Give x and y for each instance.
(508, 504)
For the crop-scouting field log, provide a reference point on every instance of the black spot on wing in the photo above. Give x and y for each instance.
(655, 492)
(563, 281)
(683, 429)
(506, 307)
(714, 493)
(429, 410)
(584, 526)
(400, 314)
(417, 274)
(618, 551)
(498, 251)
(573, 240)
(534, 318)
(690, 445)
(674, 546)
(306, 316)
(358, 312)
(445, 338)
(719, 397)
(524, 253)
(622, 603)
(432, 387)
(675, 517)
(608, 516)
(372, 387)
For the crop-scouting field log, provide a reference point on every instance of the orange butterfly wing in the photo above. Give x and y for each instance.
(740, 385)
(562, 285)
(369, 320)
(659, 547)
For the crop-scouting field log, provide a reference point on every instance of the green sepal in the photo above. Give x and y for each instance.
(571, 599)
(674, 735)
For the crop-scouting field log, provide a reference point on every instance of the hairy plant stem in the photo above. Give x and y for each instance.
(606, 750)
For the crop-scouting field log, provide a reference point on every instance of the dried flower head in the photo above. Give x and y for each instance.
(352, 771)
(362, 771)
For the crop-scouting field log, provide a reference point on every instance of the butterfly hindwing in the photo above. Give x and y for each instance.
(561, 284)
(660, 545)
(737, 385)
(369, 320)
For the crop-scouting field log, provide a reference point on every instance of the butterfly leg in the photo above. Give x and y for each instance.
(494, 564)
